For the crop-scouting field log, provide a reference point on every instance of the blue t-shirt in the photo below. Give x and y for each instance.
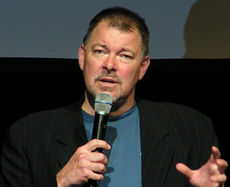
(123, 134)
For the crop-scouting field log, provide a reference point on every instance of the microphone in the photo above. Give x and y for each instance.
(102, 107)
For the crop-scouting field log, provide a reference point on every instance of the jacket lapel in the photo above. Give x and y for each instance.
(157, 153)
(70, 136)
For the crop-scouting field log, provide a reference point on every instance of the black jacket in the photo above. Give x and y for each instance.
(39, 145)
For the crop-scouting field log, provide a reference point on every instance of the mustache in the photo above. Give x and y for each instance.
(106, 75)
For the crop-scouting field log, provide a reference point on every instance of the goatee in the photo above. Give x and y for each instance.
(117, 102)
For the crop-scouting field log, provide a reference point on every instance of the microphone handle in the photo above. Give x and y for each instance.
(99, 129)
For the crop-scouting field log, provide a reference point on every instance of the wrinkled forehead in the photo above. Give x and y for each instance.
(112, 39)
(123, 28)
(110, 32)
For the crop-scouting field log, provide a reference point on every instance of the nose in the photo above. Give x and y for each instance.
(110, 63)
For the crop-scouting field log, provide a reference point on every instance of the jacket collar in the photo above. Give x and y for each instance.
(71, 134)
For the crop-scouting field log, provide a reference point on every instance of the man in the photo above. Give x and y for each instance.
(146, 142)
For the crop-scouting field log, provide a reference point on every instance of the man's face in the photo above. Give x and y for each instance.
(112, 61)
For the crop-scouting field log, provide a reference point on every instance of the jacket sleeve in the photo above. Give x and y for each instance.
(15, 170)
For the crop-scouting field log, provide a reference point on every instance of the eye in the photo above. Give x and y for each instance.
(97, 51)
(100, 53)
(126, 58)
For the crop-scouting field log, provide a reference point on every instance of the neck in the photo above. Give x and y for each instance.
(126, 106)
(87, 107)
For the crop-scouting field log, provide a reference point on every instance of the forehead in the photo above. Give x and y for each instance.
(106, 33)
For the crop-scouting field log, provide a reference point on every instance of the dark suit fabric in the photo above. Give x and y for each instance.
(39, 145)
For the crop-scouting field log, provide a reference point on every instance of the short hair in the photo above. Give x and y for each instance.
(123, 19)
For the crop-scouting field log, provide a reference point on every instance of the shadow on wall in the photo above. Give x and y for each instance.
(207, 30)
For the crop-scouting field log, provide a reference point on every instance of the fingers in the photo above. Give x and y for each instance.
(212, 172)
(219, 178)
(216, 152)
(91, 158)
(185, 170)
(220, 163)
(217, 167)
(93, 166)
(94, 144)
(84, 164)
(95, 176)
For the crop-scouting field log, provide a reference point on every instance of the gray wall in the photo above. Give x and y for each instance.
(54, 28)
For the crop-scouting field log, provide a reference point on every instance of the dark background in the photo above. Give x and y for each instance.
(33, 84)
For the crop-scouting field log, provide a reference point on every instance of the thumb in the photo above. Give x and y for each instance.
(185, 170)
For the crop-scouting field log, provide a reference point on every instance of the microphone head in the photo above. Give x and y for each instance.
(103, 103)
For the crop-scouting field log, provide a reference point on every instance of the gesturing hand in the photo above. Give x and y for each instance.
(211, 174)
(84, 165)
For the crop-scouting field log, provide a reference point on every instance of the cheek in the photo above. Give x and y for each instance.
(130, 77)
(91, 68)
(89, 73)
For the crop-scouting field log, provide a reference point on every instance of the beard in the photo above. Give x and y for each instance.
(118, 100)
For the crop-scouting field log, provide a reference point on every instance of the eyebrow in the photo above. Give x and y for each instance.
(127, 50)
(122, 49)
(100, 45)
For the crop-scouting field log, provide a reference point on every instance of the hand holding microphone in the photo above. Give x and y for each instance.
(88, 163)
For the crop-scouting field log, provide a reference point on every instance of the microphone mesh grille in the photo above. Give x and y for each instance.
(103, 103)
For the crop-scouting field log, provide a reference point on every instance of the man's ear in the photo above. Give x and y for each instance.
(144, 66)
(81, 56)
